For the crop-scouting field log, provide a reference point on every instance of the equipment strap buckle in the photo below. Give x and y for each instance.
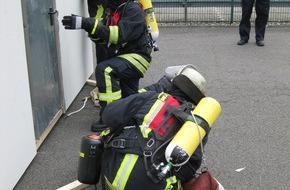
(147, 153)
(150, 142)
(118, 143)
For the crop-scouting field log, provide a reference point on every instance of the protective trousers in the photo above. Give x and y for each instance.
(262, 8)
(116, 78)
(101, 52)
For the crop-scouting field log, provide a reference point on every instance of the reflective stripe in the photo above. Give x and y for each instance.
(179, 186)
(152, 113)
(108, 80)
(124, 171)
(105, 132)
(169, 181)
(95, 26)
(99, 12)
(109, 95)
(138, 61)
(114, 34)
(142, 90)
(108, 184)
(163, 96)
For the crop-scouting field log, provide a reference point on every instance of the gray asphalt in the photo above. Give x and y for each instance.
(252, 133)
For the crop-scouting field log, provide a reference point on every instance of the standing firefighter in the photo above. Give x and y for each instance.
(143, 125)
(124, 31)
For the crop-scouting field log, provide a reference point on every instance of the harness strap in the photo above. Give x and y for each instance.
(119, 130)
(124, 143)
(182, 114)
(147, 150)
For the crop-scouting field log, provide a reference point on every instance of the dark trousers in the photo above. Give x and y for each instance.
(101, 52)
(262, 8)
(116, 78)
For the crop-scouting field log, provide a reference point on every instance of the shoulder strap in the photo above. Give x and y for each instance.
(118, 131)
(184, 113)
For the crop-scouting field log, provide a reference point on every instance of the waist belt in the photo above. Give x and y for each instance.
(124, 143)
(126, 146)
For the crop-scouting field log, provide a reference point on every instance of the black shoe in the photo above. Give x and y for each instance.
(242, 42)
(260, 43)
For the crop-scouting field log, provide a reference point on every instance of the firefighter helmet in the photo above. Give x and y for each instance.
(188, 80)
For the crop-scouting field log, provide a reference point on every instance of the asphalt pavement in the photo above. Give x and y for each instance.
(249, 144)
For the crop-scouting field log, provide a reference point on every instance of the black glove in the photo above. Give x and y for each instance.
(72, 22)
(75, 22)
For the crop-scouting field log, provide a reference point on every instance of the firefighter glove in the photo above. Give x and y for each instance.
(74, 22)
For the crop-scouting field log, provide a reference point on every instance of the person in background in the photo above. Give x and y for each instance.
(262, 8)
(123, 30)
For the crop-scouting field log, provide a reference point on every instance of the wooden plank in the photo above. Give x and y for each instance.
(92, 82)
(48, 129)
(76, 185)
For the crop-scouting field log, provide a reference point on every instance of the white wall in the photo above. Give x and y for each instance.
(17, 141)
(76, 50)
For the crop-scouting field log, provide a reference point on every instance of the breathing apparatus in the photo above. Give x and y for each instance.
(197, 125)
(151, 21)
(184, 143)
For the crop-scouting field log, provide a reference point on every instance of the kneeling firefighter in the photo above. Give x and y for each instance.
(123, 30)
(152, 143)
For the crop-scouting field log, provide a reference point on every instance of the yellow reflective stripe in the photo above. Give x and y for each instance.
(114, 34)
(95, 26)
(124, 171)
(99, 12)
(105, 132)
(141, 59)
(137, 60)
(152, 113)
(169, 182)
(142, 90)
(134, 62)
(108, 184)
(110, 97)
(163, 96)
(108, 80)
(179, 186)
(94, 39)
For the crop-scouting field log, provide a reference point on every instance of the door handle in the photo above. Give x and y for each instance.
(51, 13)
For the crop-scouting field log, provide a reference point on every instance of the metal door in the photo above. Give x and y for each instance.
(43, 62)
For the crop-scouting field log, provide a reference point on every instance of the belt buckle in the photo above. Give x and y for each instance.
(118, 143)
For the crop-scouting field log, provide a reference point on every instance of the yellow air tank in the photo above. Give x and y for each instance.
(188, 138)
(150, 18)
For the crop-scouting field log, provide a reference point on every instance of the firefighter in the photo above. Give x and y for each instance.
(96, 9)
(147, 116)
(124, 31)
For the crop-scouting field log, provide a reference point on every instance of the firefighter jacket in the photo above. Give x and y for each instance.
(122, 26)
(145, 112)
(96, 8)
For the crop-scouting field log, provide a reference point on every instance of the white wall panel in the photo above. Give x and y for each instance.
(17, 141)
(76, 51)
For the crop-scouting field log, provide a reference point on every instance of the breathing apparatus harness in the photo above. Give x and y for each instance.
(153, 148)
